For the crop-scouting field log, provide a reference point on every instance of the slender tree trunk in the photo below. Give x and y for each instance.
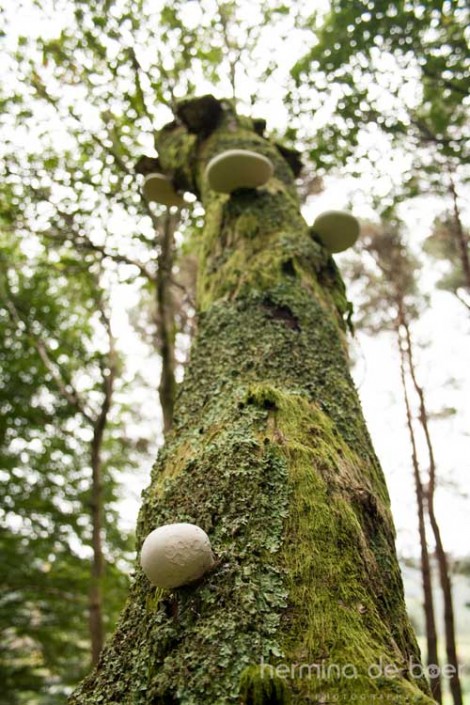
(270, 455)
(441, 556)
(96, 508)
(97, 563)
(449, 621)
(166, 319)
(462, 239)
(426, 575)
(232, 50)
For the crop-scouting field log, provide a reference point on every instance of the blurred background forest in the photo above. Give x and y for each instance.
(97, 285)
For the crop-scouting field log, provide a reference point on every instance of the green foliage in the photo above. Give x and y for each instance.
(260, 685)
(395, 75)
(443, 245)
(48, 329)
(384, 278)
(401, 66)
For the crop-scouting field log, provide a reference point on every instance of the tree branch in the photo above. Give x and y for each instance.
(82, 241)
(230, 47)
(137, 68)
(448, 84)
(65, 387)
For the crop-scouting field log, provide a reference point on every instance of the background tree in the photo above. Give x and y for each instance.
(60, 449)
(391, 302)
(444, 246)
(398, 67)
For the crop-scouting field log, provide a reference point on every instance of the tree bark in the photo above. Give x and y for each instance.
(462, 239)
(441, 555)
(96, 505)
(426, 574)
(166, 321)
(95, 601)
(270, 455)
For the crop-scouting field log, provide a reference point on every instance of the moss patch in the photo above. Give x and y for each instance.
(190, 645)
(260, 685)
(345, 619)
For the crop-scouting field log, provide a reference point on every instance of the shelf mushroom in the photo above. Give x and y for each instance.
(238, 168)
(337, 230)
(158, 188)
(176, 554)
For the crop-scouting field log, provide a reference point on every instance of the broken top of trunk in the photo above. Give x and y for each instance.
(187, 144)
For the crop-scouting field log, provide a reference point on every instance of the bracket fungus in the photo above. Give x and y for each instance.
(238, 168)
(337, 230)
(158, 188)
(176, 554)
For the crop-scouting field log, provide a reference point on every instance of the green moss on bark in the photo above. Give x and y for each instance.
(345, 589)
(260, 685)
(270, 455)
(193, 643)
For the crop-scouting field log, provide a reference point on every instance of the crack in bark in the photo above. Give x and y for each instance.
(281, 312)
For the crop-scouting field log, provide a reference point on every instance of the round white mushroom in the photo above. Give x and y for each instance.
(158, 188)
(238, 168)
(176, 554)
(337, 230)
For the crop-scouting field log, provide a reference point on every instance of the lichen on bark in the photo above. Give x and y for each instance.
(270, 455)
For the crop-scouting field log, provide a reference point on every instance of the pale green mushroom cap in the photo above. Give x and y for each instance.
(238, 168)
(158, 188)
(337, 230)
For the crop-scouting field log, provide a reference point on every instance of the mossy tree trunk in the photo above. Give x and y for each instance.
(270, 455)
(166, 320)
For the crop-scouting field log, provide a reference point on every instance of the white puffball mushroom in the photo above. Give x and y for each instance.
(176, 554)
(337, 230)
(238, 168)
(158, 188)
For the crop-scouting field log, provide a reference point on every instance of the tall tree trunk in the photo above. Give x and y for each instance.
(426, 574)
(449, 621)
(270, 455)
(462, 239)
(441, 555)
(96, 502)
(97, 562)
(166, 321)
